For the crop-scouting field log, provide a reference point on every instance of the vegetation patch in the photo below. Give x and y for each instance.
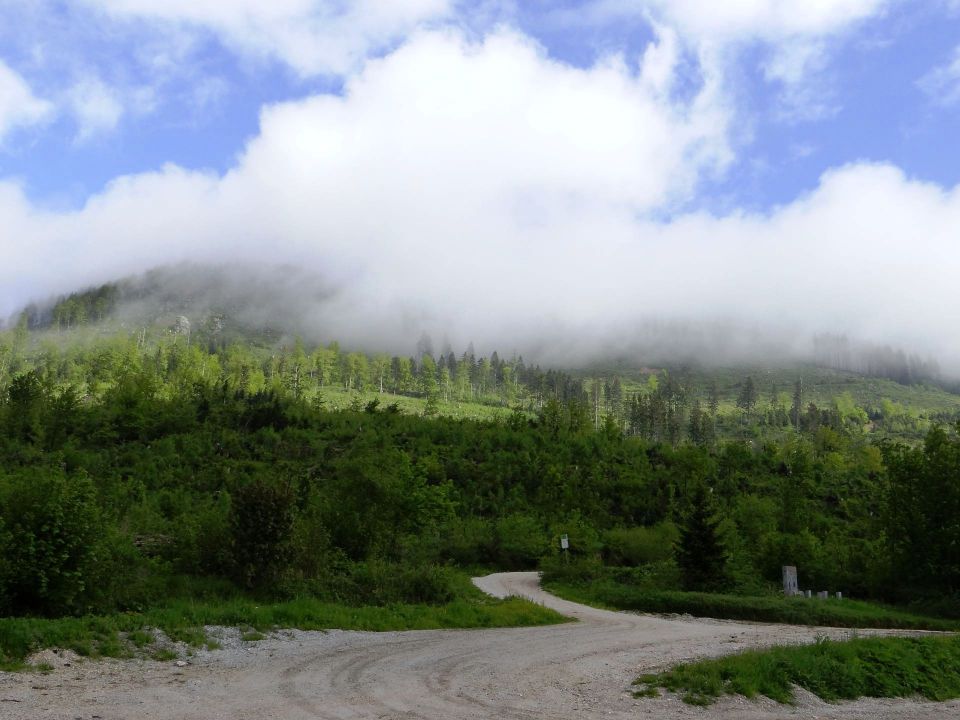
(184, 620)
(793, 611)
(928, 667)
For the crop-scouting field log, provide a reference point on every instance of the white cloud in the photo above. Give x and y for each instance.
(768, 20)
(490, 191)
(799, 68)
(797, 36)
(942, 84)
(311, 36)
(96, 107)
(660, 60)
(19, 107)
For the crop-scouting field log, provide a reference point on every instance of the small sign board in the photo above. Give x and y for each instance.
(564, 542)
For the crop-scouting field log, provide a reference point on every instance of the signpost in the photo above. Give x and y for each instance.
(565, 546)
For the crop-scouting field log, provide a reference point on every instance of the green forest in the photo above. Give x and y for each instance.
(138, 469)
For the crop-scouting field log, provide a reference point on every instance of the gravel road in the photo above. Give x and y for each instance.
(577, 670)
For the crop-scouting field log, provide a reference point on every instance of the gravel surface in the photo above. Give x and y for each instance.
(578, 670)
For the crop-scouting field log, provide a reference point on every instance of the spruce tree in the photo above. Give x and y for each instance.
(713, 398)
(748, 395)
(695, 424)
(797, 408)
(700, 553)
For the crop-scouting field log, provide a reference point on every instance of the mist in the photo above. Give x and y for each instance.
(483, 192)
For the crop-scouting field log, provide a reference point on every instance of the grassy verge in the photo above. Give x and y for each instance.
(793, 611)
(868, 667)
(182, 620)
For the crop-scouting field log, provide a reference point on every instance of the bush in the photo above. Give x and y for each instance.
(6, 569)
(382, 583)
(376, 582)
(469, 541)
(640, 545)
(50, 542)
(663, 575)
(521, 541)
(122, 578)
(575, 571)
(261, 525)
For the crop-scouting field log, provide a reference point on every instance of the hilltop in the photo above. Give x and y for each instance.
(243, 328)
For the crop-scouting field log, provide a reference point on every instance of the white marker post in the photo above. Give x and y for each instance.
(565, 546)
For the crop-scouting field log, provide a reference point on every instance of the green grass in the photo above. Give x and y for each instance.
(866, 667)
(183, 621)
(792, 611)
(140, 638)
(338, 398)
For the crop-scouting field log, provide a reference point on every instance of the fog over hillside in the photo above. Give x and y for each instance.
(280, 303)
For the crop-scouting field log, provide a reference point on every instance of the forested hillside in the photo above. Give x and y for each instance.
(134, 467)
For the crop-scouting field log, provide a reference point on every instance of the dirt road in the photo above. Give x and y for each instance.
(578, 670)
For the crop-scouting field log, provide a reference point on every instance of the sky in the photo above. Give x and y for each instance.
(497, 168)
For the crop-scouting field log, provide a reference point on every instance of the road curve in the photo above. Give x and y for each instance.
(577, 670)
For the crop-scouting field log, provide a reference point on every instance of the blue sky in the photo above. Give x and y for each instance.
(694, 143)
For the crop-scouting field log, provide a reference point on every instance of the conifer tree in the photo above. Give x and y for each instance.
(747, 399)
(700, 553)
(695, 425)
(713, 400)
(797, 408)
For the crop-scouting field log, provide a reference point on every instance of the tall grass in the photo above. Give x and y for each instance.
(868, 667)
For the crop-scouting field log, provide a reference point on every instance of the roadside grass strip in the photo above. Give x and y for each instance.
(775, 609)
(900, 667)
(128, 634)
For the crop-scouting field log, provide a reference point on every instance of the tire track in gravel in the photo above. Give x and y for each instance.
(576, 670)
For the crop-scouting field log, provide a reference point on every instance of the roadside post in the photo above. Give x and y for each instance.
(565, 546)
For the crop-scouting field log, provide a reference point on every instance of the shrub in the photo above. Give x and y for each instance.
(521, 541)
(261, 525)
(640, 545)
(122, 578)
(376, 582)
(50, 542)
(469, 541)
(577, 570)
(384, 583)
(663, 575)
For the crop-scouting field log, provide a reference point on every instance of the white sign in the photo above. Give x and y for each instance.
(564, 542)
